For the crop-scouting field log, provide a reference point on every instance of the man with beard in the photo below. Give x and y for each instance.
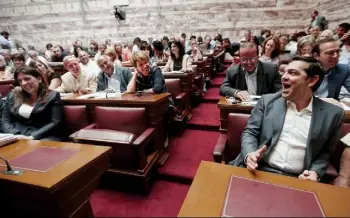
(251, 77)
(292, 132)
(326, 51)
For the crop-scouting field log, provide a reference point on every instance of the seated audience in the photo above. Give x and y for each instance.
(345, 52)
(251, 77)
(119, 51)
(128, 52)
(342, 32)
(194, 53)
(326, 34)
(148, 50)
(270, 51)
(178, 60)
(101, 51)
(305, 46)
(337, 75)
(93, 50)
(58, 54)
(87, 64)
(76, 79)
(208, 46)
(137, 44)
(8, 58)
(315, 32)
(230, 49)
(146, 78)
(48, 52)
(264, 35)
(113, 55)
(19, 61)
(113, 76)
(159, 51)
(32, 56)
(52, 78)
(283, 41)
(292, 132)
(32, 110)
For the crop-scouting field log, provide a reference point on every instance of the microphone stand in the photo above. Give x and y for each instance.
(9, 170)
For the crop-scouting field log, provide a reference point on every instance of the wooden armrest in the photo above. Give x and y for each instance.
(144, 138)
(91, 126)
(219, 148)
(180, 96)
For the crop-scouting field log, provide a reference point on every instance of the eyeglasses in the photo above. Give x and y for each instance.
(246, 60)
(331, 53)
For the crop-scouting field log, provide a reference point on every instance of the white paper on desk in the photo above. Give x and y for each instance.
(251, 103)
(109, 95)
(87, 96)
(66, 94)
(345, 107)
(176, 72)
(255, 96)
(346, 139)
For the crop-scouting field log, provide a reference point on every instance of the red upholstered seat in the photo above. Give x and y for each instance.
(127, 131)
(228, 146)
(5, 89)
(75, 118)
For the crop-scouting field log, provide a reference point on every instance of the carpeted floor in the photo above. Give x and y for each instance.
(205, 115)
(165, 200)
(187, 151)
(212, 95)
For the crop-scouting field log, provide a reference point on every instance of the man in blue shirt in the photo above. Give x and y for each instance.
(326, 51)
(5, 43)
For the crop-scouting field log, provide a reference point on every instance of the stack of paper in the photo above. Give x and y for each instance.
(6, 139)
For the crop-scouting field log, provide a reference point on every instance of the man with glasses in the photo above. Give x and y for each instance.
(327, 51)
(251, 77)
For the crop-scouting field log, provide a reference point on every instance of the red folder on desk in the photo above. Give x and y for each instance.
(249, 198)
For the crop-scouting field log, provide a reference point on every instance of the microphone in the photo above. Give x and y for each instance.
(9, 170)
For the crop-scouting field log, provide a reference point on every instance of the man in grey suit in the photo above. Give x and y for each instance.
(251, 77)
(292, 132)
(318, 20)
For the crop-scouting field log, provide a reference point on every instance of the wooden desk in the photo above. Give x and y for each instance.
(155, 105)
(62, 191)
(7, 82)
(207, 193)
(226, 108)
(185, 79)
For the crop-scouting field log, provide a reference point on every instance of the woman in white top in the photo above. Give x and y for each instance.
(178, 60)
(270, 50)
(32, 110)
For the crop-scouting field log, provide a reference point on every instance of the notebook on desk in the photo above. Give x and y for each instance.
(6, 139)
(250, 198)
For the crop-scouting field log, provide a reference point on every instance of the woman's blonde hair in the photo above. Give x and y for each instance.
(137, 56)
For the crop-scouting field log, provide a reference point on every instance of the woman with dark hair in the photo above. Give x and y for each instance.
(149, 52)
(48, 52)
(271, 50)
(32, 110)
(178, 60)
(159, 53)
(76, 50)
(118, 47)
(218, 37)
(52, 78)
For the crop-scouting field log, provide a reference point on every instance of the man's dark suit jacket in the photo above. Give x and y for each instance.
(43, 122)
(266, 122)
(268, 80)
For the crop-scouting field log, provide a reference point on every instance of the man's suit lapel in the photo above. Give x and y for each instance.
(280, 110)
(242, 84)
(332, 83)
(259, 79)
(316, 125)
